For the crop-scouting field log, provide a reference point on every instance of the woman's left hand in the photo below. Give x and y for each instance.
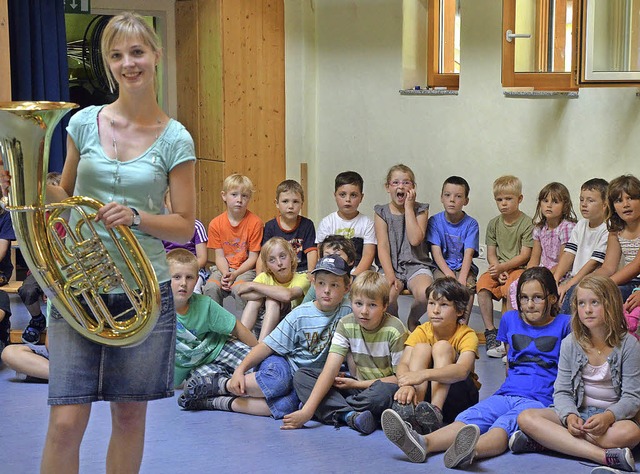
(114, 214)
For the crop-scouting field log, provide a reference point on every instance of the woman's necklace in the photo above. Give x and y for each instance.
(116, 171)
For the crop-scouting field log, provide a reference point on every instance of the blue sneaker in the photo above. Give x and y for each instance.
(364, 422)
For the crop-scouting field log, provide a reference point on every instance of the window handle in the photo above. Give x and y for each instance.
(511, 35)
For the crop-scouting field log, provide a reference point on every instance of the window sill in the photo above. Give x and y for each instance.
(533, 94)
(428, 92)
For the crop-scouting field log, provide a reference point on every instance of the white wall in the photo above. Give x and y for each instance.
(343, 72)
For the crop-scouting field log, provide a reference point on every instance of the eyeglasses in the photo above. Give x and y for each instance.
(524, 300)
(396, 183)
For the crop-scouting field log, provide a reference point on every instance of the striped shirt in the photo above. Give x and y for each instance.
(376, 354)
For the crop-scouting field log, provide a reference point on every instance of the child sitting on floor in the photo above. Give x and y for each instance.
(300, 340)
(597, 392)
(275, 291)
(435, 373)
(374, 339)
(210, 341)
(532, 336)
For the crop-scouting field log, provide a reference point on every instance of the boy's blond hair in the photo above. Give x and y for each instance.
(507, 184)
(372, 285)
(289, 185)
(269, 245)
(183, 257)
(237, 180)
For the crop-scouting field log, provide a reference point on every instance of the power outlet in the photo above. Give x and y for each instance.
(482, 252)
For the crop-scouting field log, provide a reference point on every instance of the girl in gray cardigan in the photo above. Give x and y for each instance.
(597, 391)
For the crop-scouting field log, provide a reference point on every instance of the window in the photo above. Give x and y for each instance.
(431, 43)
(566, 44)
(611, 41)
(538, 43)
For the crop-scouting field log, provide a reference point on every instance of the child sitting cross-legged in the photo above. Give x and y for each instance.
(597, 392)
(374, 339)
(532, 336)
(301, 339)
(275, 291)
(435, 373)
(210, 342)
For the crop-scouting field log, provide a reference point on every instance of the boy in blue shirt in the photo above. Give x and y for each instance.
(454, 237)
(301, 339)
(210, 341)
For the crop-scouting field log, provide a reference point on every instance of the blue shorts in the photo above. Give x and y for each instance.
(588, 412)
(275, 379)
(498, 411)
(82, 371)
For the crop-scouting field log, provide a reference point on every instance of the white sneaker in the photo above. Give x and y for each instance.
(499, 351)
(504, 359)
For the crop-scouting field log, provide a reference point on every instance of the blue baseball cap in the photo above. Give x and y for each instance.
(332, 264)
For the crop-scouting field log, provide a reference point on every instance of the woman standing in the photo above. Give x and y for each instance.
(124, 154)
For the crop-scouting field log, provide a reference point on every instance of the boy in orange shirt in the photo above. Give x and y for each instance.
(235, 237)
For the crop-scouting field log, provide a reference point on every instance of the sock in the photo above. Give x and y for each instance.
(221, 403)
(343, 416)
(222, 386)
(38, 321)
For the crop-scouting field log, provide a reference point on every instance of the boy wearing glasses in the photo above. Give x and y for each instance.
(454, 237)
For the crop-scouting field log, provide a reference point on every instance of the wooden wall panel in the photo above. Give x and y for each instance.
(5, 63)
(187, 71)
(209, 177)
(210, 88)
(254, 105)
(230, 56)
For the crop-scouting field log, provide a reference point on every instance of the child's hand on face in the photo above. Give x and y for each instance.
(410, 200)
(406, 395)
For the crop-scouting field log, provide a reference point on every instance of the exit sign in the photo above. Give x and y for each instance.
(77, 6)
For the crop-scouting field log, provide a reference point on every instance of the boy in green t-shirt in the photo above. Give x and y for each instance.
(374, 339)
(210, 342)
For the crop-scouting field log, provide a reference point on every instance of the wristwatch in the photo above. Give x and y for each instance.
(136, 217)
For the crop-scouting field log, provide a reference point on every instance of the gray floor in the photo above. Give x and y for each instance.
(180, 441)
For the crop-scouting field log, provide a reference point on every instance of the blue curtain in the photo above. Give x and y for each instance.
(39, 69)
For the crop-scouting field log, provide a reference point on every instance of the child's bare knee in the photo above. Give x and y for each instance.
(443, 349)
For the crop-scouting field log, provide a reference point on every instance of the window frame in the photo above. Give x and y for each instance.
(543, 81)
(434, 34)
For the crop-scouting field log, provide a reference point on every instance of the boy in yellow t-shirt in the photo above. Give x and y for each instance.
(436, 372)
(276, 291)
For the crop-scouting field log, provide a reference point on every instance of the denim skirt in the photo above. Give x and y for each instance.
(82, 371)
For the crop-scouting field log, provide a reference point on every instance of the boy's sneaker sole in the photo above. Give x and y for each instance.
(462, 451)
(428, 417)
(400, 434)
(202, 386)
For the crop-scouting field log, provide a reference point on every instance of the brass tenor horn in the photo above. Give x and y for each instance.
(73, 271)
